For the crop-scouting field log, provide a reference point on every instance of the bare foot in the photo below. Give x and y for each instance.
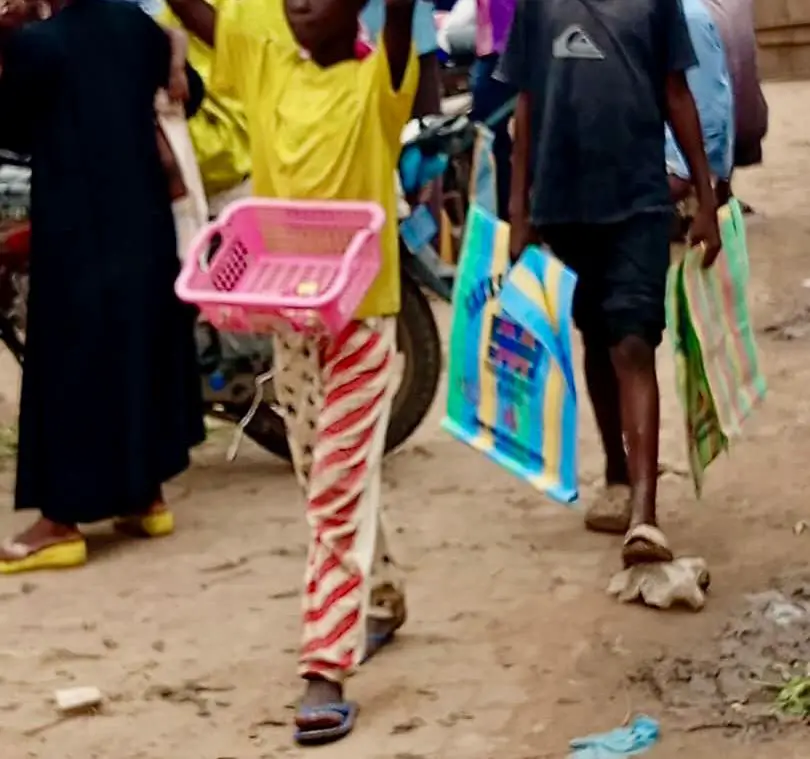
(323, 717)
(41, 534)
(158, 507)
(319, 693)
(154, 522)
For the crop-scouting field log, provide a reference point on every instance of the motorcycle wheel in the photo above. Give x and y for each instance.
(419, 342)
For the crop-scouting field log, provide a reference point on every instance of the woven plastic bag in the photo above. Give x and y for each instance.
(717, 370)
(511, 393)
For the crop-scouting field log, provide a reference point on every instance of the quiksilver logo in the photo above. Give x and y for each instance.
(575, 42)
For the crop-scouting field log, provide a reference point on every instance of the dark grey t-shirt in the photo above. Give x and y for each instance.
(596, 73)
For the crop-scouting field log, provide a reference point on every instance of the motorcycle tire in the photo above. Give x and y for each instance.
(418, 340)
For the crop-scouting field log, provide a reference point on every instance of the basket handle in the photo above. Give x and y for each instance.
(209, 247)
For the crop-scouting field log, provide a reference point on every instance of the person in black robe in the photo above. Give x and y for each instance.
(111, 397)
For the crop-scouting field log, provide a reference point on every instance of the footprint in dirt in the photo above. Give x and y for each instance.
(795, 327)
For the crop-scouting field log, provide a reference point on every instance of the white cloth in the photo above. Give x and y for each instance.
(458, 28)
(217, 203)
(190, 212)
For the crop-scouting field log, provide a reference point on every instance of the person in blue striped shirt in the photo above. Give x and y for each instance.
(711, 86)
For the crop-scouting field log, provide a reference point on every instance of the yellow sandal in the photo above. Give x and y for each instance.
(158, 524)
(67, 555)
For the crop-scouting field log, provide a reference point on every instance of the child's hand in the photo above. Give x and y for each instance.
(705, 232)
(178, 89)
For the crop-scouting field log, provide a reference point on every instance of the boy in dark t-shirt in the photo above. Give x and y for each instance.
(598, 80)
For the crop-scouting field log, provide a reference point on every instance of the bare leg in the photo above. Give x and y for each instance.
(608, 510)
(634, 361)
(603, 389)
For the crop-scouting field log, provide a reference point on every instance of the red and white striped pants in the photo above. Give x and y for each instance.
(336, 399)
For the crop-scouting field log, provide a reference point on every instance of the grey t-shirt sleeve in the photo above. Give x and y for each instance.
(515, 66)
(679, 54)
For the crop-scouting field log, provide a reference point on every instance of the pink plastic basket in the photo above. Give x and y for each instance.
(270, 263)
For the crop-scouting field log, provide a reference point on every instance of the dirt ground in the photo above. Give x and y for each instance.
(513, 648)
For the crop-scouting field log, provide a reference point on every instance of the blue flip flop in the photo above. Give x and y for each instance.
(313, 735)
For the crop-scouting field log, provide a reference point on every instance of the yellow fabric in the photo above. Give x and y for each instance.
(317, 133)
(219, 129)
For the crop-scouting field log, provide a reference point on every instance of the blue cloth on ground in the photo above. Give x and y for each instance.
(638, 737)
(712, 90)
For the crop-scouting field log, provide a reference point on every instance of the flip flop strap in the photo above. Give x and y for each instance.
(344, 710)
(649, 533)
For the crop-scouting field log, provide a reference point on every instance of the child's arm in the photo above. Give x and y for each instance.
(519, 188)
(683, 117)
(398, 37)
(517, 65)
(198, 16)
(682, 114)
(230, 31)
(178, 81)
(164, 56)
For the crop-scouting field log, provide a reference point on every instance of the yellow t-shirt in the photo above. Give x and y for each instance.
(317, 133)
(219, 129)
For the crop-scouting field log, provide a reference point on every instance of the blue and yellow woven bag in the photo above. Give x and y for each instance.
(511, 384)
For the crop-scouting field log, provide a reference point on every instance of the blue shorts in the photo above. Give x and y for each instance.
(621, 276)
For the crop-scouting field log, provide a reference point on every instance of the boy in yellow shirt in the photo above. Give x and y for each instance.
(325, 125)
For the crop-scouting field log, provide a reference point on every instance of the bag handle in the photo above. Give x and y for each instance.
(738, 224)
(482, 180)
(209, 246)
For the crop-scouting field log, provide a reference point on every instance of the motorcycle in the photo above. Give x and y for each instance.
(230, 364)
(15, 236)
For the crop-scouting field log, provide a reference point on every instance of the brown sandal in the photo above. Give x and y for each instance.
(645, 544)
(610, 511)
